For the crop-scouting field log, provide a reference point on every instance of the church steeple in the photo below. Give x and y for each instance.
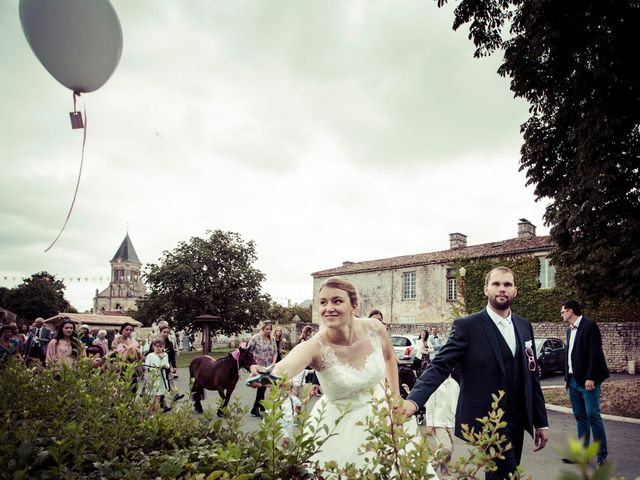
(126, 252)
(126, 286)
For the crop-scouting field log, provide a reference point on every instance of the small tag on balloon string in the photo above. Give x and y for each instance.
(76, 120)
(76, 117)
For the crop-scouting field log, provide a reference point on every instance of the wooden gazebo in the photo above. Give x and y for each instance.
(207, 322)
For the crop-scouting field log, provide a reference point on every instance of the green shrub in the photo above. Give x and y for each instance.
(532, 302)
(86, 423)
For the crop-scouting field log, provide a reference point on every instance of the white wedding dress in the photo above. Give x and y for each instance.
(346, 386)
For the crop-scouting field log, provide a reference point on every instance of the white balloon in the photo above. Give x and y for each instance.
(78, 41)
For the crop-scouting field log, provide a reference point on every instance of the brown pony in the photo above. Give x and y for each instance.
(222, 375)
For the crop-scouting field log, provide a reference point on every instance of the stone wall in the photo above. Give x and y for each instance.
(620, 341)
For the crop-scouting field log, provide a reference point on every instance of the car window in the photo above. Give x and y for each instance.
(400, 342)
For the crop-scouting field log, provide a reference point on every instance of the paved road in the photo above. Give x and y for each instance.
(623, 438)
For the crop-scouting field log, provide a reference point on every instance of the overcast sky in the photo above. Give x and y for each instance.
(324, 131)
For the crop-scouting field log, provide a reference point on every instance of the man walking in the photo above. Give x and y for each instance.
(585, 370)
(493, 350)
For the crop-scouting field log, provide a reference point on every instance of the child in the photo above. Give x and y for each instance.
(290, 407)
(440, 418)
(157, 365)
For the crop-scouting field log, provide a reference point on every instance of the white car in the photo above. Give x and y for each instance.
(405, 347)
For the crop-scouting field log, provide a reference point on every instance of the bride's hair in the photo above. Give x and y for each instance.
(342, 284)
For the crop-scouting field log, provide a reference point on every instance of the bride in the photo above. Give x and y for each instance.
(351, 356)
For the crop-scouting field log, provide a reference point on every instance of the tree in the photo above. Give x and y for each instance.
(575, 62)
(3, 295)
(40, 295)
(280, 313)
(213, 275)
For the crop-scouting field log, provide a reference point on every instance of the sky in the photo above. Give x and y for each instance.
(323, 131)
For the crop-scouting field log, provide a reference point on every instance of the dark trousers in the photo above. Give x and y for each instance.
(257, 405)
(515, 435)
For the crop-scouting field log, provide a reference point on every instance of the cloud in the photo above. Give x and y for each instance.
(324, 131)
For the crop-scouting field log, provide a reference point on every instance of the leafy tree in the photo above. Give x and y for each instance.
(3, 295)
(213, 275)
(280, 313)
(575, 62)
(40, 295)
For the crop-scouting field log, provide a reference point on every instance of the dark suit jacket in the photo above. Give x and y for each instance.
(587, 357)
(473, 347)
(44, 339)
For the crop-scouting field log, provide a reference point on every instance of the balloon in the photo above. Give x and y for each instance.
(78, 41)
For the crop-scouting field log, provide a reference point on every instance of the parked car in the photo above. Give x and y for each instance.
(550, 354)
(405, 347)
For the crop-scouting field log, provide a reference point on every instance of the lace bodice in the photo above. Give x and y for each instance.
(342, 380)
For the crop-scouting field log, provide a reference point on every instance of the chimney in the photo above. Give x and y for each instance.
(526, 229)
(347, 263)
(457, 240)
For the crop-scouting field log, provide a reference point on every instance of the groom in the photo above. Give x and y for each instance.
(493, 350)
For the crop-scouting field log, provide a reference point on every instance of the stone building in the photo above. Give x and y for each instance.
(421, 288)
(126, 286)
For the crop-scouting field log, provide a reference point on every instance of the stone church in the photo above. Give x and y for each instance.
(126, 286)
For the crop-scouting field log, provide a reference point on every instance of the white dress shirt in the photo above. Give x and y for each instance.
(572, 340)
(505, 325)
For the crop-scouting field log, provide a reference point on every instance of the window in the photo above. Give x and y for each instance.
(409, 286)
(452, 292)
(547, 273)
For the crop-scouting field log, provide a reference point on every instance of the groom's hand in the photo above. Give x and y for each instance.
(406, 408)
(540, 438)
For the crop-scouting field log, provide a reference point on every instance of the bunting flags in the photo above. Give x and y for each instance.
(8, 278)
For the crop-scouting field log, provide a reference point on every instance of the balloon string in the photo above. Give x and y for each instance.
(75, 194)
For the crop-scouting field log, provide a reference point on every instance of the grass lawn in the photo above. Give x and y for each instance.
(618, 397)
(184, 359)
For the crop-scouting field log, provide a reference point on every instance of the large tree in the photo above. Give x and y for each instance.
(575, 61)
(214, 275)
(40, 295)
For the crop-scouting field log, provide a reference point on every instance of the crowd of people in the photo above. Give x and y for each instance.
(38, 344)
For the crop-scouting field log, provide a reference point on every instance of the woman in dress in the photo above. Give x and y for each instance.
(299, 378)
(263, 348)
(423, 351)
(351, 356)
(66, 348)
(279, 338)
(129, 352)
(9, 346)
(125, 345)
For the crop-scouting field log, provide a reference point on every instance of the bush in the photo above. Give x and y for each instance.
(86, 423)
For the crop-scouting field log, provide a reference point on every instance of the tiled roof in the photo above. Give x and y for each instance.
(126, 252)
(93, 319)
(513, 246)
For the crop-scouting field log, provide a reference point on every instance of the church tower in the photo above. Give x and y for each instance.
(126, 286)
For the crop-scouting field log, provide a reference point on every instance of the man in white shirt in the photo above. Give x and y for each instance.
(493, 350)
(585, 370)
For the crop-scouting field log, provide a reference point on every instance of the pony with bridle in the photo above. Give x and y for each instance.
(222, 375)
